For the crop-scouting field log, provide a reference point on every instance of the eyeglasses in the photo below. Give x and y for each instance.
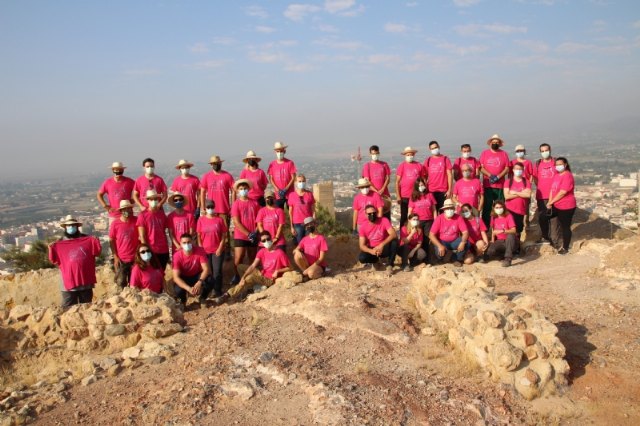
(144, 251)
(265, 240)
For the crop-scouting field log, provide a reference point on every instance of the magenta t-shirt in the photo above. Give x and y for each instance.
(375, 232)
(436, 170)
(468, 191)
(503, 223)
(116, 192)
(564, 181)
(360, 201)
(125, 235)
(408, 173)
(272, 261)
(457, 166)
(377, 172)
(423, 206)
(518, 205)
(181, 223)
(312, 247)
(416, 238)
(218, 186)
(302, 205)
(188, 187)
(281, 173)
(271, 219)
(258, 181)
(149, 278)
(448, 230)
(475, 226)
(212, 231)
(76, 258)
(527, 171)
(544, 173)
(143, 184)
(189, 265)
(494, 163)
(155, 223)
(246, 211)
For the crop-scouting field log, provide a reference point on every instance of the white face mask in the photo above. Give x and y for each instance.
(364, 191)
(435, 151)
(466, 155)
(375, 157)
(517, 173)
(146, 256)
(408, 158)
(153, 203)
(520, 154)
(184, 172)
(72, 229)
(466, 174)
(449, 213)
(499, 210)
(279, 155)
(560, 169)
(466, 214)
(300, 185)
(422, 188)
(545, 154)
(268, 244)
(186, 246)
(209, 211)
(243, 193)
(415, 222)
(149, 170)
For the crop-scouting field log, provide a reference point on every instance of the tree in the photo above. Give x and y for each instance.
(36, 258)
(327, 224)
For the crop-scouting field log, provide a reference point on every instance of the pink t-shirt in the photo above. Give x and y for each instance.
(272, 260)
(423, 206)
(414, 241)
(281, 173)
(189, 265)
(125, 235)
(181, 223)
(76, 258)
(143, 184)
(518, 205)
(312, 247)
(544, 173)
(503, 223)
(149, 278)
(468, 191)
(475, 225)
(188, 187)
(212, 231)
(218, 186)
(408, 173)
(436, 168)
(271, 219)
(494, 163)
(457, 166)
(155, 223)
(116, 192)
(302, 205)
(258, 181)
(564, 181)
(360, 201)
(448, 230)
(377, 172)
(527, 165)
(246, 211)
(375, 232)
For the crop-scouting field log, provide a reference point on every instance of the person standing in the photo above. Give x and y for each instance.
(406, 176)
(179, 220)
(245, 238)
(116, 188)
(377, 239)
(562, 202)
(423, 204)
(217, 185)
(494, 166)
(123, 239)
(146, 273)
(466, 158)
(152, 225)
(439, 174)
(543, 174)
(190, 271)
(468, 189)
(272, 218)
(189, 186)
(311, 252)
(379, 175)
(282, 174)
(149, 180)
(301, 205)
(503, 234)
(364, 198)
(517, 192)
(75, 254)
(254, 174)
(212, 231)
(527, 165)
(449, 233)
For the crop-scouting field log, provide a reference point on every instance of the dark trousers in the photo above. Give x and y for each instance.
(163, 258)
(191, 281)
(519, 220)
(565, 217)
(453, 246)
(389, 251)
(281, 202)
(426, 227)
(70, 298)
(490, 195)
(440, 197)
(403, 252)
(123, 274)
(300, 232)
(404, 211)
(549, 223)
(500, 247)
(214, 281)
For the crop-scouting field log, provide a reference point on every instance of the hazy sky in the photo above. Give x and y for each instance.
(85, 83)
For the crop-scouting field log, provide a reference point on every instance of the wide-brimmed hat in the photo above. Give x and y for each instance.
(172, 200)
(495, 137)
(251, 155)
(215, 159)
(69, 220)
(117, 165)
(279, 145)
(308, 220)
(269, 193)
(152, 194)
(241, 181)
(520, 148)
(408, 150)
(184, 163)
(363, 183)
(125, 204)
(448, 204)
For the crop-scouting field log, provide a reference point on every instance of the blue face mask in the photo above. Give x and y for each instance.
(186, 246)
(146, 256)
(179, 204)
(243, 192)
(71, 230)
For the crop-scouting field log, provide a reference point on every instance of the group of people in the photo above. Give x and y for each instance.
(463, 210)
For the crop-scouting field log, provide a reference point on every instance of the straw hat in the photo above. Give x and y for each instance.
(125, 204)
(448, 204)
(495, 137)
(308, 220)
(363, 183)
(241, 181)
(520, 148)
(279, 145)
(215, 159)
(117, 165)
(183, 163)
(152, 194)
(173, 196)
(251, 156)
(69, 220)
(269, 193)
(409, 150)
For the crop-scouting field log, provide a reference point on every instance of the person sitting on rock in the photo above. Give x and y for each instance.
(503, 234)
(274, 264)
(123, 239)
(191, 271)
(478, 239)
(411, 240)
(449, 234)
(311, 252)
(377, 239)
(75, 254)
(147, 272)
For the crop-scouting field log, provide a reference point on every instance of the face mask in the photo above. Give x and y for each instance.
(495, 146)
(499, 210)
(71, 229)
(300, 185)
(435, 151)
(311, 229)
(118, 172)
(268, 244)
(149, 170)
(408, 158)
(545, 154)
(179, 204)
(253, 163)
(466, 214)
(520, 154)
(184, 172)
(279, 155)
(415, 222)
(186, 246)
(449, 213)
(145, 256)
(466, 174)
(216, 167)
(517, 173)
(560, 169)
(126, 214)
(372, 217)
(375, 157)
(153, 204)
(243, 192)
(466, 155)
(364, 191)
(422, 188)
(270, 201)
(209, 211)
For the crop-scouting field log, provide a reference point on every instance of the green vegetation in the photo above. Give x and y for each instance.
(36, 258)
(327, 224)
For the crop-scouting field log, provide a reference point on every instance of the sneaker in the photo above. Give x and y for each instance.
(235, 280)
(222, 299)
(407, 269)
(389, 270)
(506, 263)
(543, 241)
(562, 251)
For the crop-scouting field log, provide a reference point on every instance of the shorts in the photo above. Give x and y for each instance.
(244, 243)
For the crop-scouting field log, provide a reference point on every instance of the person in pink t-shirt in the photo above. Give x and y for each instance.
(212, 231)
(217, 185)
(75, 254)
(147, 273)
(179, 220)
(152, 226)
(478, 239)
(423, 204)
(149, 180)
(503, 234)
(254, 174)
(494, 166)
(272, 218)
(468, 189)
(189, 186)
(301, 205)
(543, 174)
(411, 247)
(527, 165)
(406, 175)
(562, 202)
(123, 239)
(282, 174)
(439, 173)
(379, 174)
(117, 188)
(517, 192)
(364, 198)
(377, 239)
(466, 158)
(190, 271)
(245, 236)
(449, 234)
(311, 252)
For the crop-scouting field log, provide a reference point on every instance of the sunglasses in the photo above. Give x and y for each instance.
(144, 251)
(265, 240)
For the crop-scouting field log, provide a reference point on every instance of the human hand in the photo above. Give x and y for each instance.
(441, 250)
(461, 246)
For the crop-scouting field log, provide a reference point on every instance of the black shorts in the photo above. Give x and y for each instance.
(243, 243)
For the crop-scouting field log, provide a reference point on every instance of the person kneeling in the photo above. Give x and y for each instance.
(377, 239)
(411, 241)
(503, 234)
(191, 271)
(310, 253)
(449, 233)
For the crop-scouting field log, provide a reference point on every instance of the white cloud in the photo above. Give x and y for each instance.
(465, 3)
(298, 67)
(383, 59)
(572, 47)
(199, 48)
(335, 6)
(256, 11)
(264, 29)
(391, 27)
(599, 26)
(350, 13)
(266, 57)
(141, 71)
(224, 41)
(340, 44)
(297, 12)
(490, 29)
(463, 50)
(533, 45)
(411, 4)
(325, 28)
(636, 24)
(208, 65)
(504, 29)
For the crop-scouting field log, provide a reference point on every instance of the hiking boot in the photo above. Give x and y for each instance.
(562, 251)
(407, 268)
(222, 299)
(506, 263)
